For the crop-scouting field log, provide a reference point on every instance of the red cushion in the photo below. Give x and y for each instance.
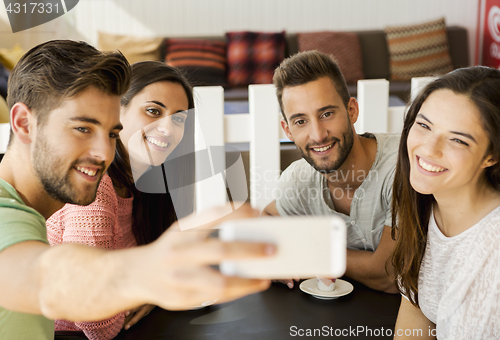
(253, 56)
(343, 46)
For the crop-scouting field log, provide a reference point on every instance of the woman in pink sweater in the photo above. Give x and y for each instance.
(134, 205)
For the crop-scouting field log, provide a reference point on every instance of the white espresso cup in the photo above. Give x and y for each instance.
(325, 285)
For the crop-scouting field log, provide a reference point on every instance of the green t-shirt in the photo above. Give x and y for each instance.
(20, 223)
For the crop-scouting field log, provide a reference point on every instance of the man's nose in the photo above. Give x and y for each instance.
(103, 149)
(318, 132)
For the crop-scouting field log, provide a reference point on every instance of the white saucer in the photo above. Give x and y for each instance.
(341, 288)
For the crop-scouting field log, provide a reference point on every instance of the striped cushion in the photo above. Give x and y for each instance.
(418, 50)
(343, 46)
(203, 61)
(253, 56)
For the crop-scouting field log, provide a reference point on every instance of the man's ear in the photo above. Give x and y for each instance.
(22, 123)
(353, 110)
(286, 128)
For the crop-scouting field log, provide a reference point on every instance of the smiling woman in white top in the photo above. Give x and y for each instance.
(446, 201)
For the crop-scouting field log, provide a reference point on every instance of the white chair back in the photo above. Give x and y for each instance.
(375, 114)
(264, 144)
(260, 127)
(209, 131)
(373, 101)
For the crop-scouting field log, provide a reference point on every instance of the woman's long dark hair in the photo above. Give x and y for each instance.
(411, 209)
(153, 213)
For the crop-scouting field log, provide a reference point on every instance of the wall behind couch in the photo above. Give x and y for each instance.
(215, 17)
(170, 18)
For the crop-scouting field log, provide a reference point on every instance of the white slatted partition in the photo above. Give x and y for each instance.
(395, 119)
(260, 127)
(373, 101)
(209, 131)
(375, 115)
(264, 144)
(396, 114)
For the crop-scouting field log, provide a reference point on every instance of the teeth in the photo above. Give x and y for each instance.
(156, 142)
(86, 171)
(429, 167)
(323, 148)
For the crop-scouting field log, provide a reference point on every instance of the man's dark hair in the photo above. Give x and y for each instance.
(305, 67)
(60, 69)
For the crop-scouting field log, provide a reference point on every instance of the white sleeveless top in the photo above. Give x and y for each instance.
(459, 281)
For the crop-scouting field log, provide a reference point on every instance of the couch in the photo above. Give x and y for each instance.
(374, 56)
(375, 60)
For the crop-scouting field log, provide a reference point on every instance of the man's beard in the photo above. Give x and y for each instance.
(55, 180)
(344, 149)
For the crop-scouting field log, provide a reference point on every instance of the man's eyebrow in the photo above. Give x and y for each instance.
(328, 107)
(454, 132)
(296, 115)
(86, 120)
(118, 126)
(321, 109)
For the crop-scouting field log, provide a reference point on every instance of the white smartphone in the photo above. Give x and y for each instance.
(307, 246)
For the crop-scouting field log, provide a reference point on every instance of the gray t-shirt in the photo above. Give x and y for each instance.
(304, 191)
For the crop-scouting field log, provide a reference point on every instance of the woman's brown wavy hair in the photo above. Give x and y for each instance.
(411, 209)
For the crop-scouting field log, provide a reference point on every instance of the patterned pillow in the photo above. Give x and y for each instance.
(418, 50)
(202, 61)
(253, 56)
(343, 46)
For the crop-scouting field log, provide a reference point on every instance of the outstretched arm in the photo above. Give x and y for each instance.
(369, 267)
(78, 283)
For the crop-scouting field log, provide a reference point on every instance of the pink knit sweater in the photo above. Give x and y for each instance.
(107, 224)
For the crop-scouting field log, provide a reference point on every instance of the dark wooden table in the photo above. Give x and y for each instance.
(278, 313)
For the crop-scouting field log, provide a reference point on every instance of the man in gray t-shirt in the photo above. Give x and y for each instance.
(305, 191)
(341, 172)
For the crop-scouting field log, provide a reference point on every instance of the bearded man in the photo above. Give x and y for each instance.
(341, 173)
